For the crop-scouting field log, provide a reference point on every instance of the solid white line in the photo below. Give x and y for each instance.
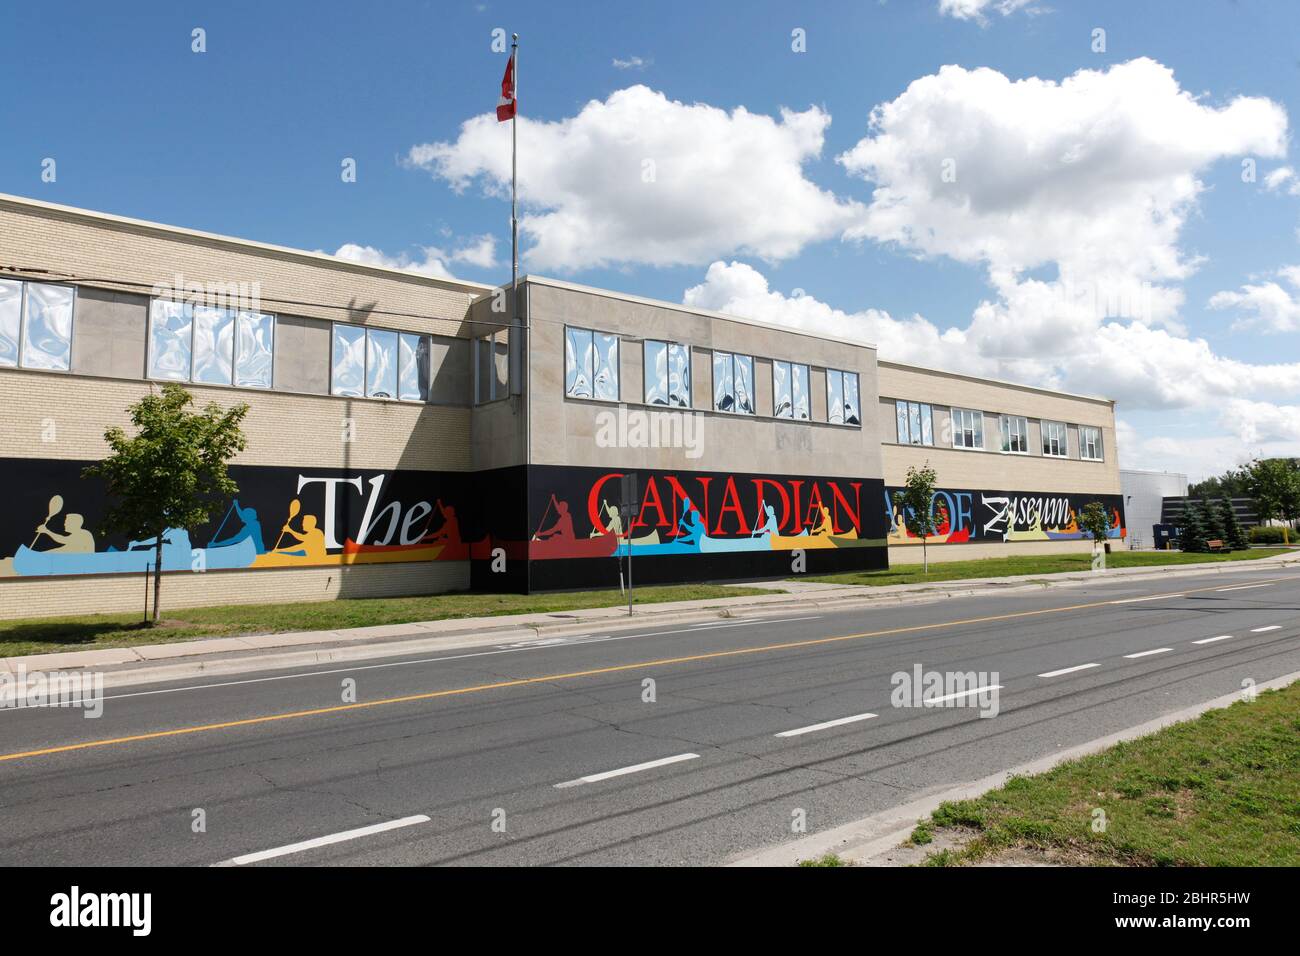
(961, 693)
(838, 722)
(327, 840)
(1069, 670)
(1153, 597)
(1211, 640)
(649, 765)
(1246, 587)
(1261, 630)
(1158, 650)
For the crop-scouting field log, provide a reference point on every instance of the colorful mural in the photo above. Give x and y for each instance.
(964, 516)
(686, 525)
(283, 517)
(697, 525)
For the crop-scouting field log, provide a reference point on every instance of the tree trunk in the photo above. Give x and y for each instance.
(157, 574)
(925, 556)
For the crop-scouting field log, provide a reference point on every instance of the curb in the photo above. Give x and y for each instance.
(862, 840)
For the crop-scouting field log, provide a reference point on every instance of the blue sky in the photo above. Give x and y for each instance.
(247, 139)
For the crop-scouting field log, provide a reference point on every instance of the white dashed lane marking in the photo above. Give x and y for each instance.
(825, 725)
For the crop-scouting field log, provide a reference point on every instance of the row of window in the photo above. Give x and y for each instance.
(210, 346)
(379, 363)
(214, 346)
(916, 427)
(36, 324)
(591, 364)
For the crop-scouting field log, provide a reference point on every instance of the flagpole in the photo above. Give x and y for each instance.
(514, 181)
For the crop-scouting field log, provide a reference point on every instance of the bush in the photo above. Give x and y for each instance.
(1265, 534)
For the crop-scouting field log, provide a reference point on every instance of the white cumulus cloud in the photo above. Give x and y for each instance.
(976, 9)
(431, 261)
(1264, 305)
(638, 178)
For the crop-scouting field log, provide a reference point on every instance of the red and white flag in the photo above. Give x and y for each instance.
(506, 105)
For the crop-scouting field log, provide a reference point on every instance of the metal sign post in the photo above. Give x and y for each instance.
(628, 501)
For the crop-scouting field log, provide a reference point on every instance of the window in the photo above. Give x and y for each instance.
(254, 349)
(171, 338)
(1090, 443)
(1054, 442)
(790, 391)
(379, 363)
(733, 383)
(842, 398)
(667, 374)
(36, 325)
(590, 364)
(210, 346)
(414, 370)
(1015, 434)
(967, 428)
(915, 423)
(348, 365)
(11, 314)
(214, 346)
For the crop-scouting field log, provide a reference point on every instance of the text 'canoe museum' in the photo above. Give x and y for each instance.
(405, 437)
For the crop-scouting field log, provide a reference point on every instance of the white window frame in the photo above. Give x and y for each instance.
(21, 342)
(688, 383)
(1064, 440)
(1005, 435)
(977, 433)
(925, 413)
(732, 360)
(857, 388)
(234, 348)
(807, 377)
(618, 365)
(365, 365)
(1100, 454)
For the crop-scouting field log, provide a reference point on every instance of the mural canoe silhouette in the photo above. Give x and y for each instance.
(176, 557)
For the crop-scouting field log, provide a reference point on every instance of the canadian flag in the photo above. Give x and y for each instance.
(506, 105)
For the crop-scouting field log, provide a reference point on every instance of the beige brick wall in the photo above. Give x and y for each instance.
(564, 430)
(282, 429)
(91, 246)
(911, 553)
(38, 597)
(991, 469)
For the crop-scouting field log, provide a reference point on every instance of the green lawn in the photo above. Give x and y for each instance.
(1033, 564)
(1221, 790)
(86, 632)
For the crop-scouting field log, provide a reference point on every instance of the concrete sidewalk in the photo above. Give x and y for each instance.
(222, 655)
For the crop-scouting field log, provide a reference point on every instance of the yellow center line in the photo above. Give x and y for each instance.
(613, 669)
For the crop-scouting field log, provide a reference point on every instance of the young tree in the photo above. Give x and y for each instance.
(1191, 529)
(916, 502)
(172, 473)
(1275, 486)
(1095, 520)
(1212, 521)
(1234, 535)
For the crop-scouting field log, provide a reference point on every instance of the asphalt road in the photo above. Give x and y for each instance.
(487, 755)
